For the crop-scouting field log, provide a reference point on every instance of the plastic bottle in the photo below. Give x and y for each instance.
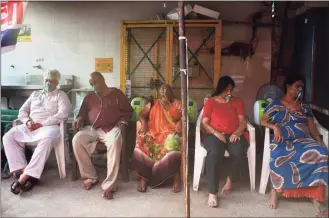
(27, 79)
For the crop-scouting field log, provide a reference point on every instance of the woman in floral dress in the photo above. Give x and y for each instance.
(299, 158)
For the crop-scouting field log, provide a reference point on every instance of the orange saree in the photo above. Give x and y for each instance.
(162, 122)
(151, 159)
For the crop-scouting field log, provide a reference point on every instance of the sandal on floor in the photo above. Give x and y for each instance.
(16, 187)
(29, 184)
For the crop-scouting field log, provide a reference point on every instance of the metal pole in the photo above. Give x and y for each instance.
(184, 74)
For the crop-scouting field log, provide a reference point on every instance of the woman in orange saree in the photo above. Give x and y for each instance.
(157, 155)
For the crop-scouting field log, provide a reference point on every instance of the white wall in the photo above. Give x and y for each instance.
(251, 74)
(70, 35)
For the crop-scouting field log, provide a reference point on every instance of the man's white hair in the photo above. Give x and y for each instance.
(52, 74)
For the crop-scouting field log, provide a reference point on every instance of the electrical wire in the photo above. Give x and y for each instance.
(298, 97)
(91, 128)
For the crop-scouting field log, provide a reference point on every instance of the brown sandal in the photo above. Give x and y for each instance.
(16, 187)
(29, 184)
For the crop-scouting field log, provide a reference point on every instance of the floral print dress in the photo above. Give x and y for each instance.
(299, 161)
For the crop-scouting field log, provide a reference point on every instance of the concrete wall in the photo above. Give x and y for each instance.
(251, 74)
(69, 35)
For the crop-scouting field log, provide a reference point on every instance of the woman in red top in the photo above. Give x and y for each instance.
(224, 123)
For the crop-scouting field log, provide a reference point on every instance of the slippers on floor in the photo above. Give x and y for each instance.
(17, 187)
(29, 184)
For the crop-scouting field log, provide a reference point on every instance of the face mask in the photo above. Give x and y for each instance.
(299, 93)
(228, 98)
(164, 92)
(47, 86)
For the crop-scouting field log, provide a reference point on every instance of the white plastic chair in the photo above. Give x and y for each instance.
(60, 149)
(201, 153)
(266, 156)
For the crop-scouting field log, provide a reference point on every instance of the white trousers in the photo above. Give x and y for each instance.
(84, 145)
(15, 153)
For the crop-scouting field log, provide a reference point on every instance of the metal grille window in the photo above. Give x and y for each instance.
(150, 56)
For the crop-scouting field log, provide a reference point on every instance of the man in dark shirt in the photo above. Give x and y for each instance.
(101, 114)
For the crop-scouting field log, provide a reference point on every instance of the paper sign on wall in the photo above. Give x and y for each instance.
(104, 65)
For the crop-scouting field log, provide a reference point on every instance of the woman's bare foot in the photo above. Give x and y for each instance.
(212, 200)
(322, 214)
(317, 206)
(273, 202)
(88, 184)
(142, 185)
(320, 211)
(108, 194)
(177, 184)
(227, 187)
